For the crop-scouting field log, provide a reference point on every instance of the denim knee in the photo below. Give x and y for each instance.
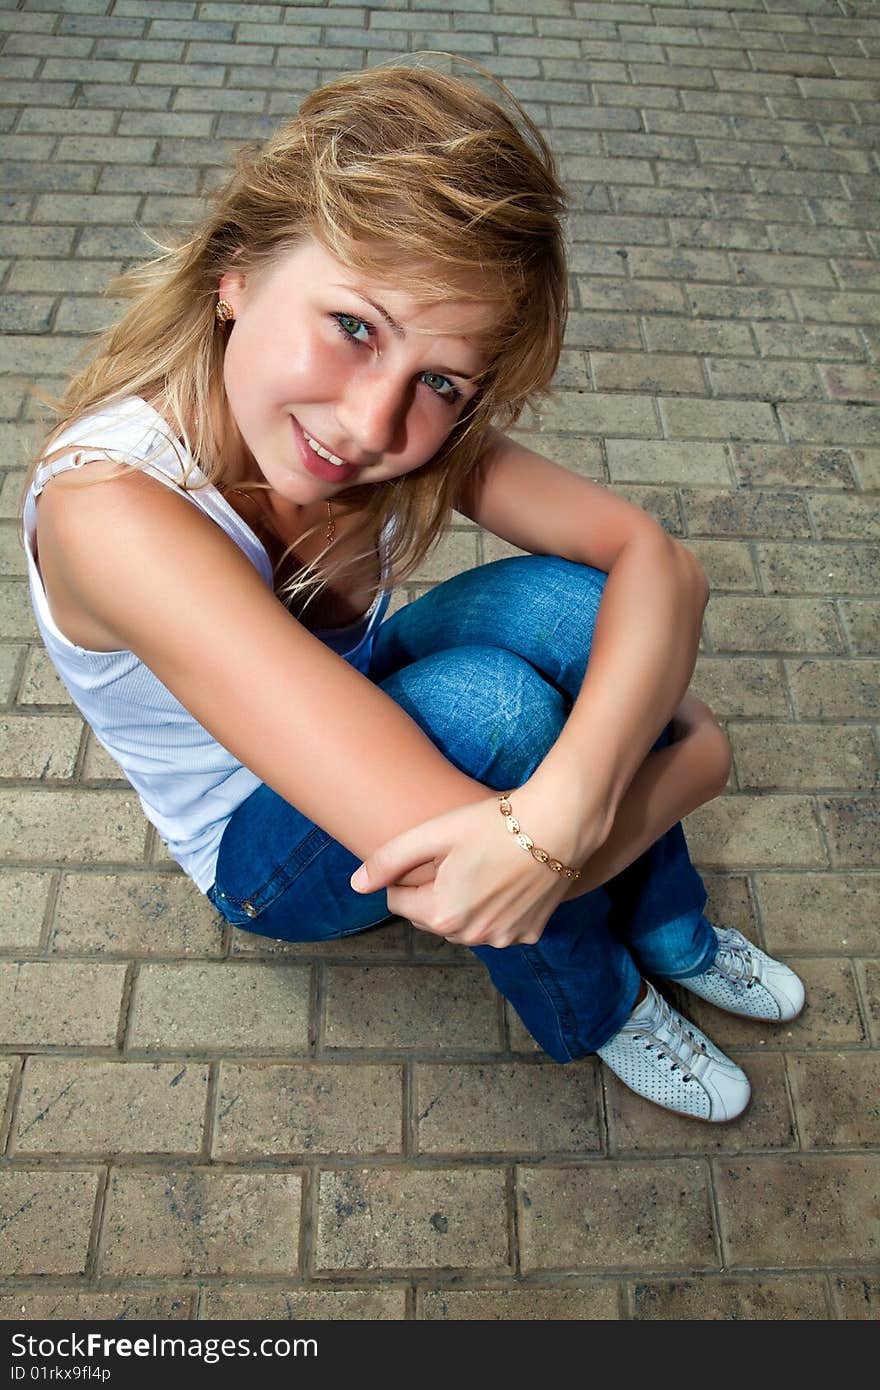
(488, 710)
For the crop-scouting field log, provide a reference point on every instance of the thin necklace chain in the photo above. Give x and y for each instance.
(331, 527)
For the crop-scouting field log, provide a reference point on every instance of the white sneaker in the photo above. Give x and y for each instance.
(743, 980)
(665, 1058)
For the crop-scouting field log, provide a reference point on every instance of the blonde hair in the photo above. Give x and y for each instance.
(417, 178)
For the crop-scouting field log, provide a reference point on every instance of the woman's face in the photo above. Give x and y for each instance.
(309, 356)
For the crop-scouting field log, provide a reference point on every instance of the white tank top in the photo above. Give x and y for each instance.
(188, 784)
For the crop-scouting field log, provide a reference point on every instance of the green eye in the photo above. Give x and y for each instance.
(438, 383)
(349, 324)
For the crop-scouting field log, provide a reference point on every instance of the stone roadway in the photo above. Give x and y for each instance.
(195, 1124)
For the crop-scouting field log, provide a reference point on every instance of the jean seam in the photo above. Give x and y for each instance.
(562, 1011)
(282, 872)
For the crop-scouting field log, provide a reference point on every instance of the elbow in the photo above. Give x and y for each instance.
(697, 577)
(725, 761)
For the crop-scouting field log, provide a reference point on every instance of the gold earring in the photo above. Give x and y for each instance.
(224, 311)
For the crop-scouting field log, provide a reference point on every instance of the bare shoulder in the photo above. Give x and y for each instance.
(106, 532)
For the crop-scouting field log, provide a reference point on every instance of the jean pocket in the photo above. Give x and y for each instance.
(237, 914)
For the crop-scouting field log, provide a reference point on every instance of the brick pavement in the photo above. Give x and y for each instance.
(198, 1123)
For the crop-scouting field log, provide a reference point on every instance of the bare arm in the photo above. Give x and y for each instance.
(171, 587)
(643, 652)
(644, 644)
(671, 782)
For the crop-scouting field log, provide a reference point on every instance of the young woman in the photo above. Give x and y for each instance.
(276, 433)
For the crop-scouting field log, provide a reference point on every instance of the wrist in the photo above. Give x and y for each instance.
(560, 818)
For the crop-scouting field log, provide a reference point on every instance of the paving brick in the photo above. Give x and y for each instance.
(830, 1018)
(616, 1215)
(819, 912)
(728, 564)
(835, 689)
(764, 381)
(69, 1306)
(62, 275)
(41, 683)
(8, 1068)
(398, 1219)
(307, 1109)
(25, 314)
(636, 1127)
(16, 614)
(64, 826)
(505, 1108)
(856, 383)
(23, 896)
(791, 465)
(456, 551)
(852, 825)
(823, 568)
(666, 461)
(231, 99)
(765, 624)
(792, 757)
(856, 1296)
(90, 207)
(43, 747)
(837, 1099)
(426, 1007)
(648, 373)
(48, 1221)
(755, 832)
(244, 1301)
(134, 914)
(796, 1211)
(697, 337)
(98, 764)
(867, 463)
(79, 1106)
(141, 50)
(37, 241)
(831, 424)
(798, 1298)
(627, 295)
(746, 513)
(680, 263)
(60, 1004)
(717, 419)
(741, 686)
(615, 331)
(593, 1302)
(245, 1006)
(10, 670)
(808, 341)
(195, 1221)
(861, 623)
(845, 517)
(597, 413)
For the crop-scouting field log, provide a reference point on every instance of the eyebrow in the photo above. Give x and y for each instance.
(398, 330)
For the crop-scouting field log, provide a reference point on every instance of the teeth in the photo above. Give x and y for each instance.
(324, 453)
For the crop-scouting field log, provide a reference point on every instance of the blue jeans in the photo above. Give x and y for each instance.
(488, 665)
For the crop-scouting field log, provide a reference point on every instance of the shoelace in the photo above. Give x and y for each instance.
(681, 1048)
(735, 960)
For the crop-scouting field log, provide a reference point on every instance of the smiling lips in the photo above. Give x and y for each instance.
(325, 453)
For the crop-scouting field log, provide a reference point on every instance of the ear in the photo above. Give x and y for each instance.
(231, 288)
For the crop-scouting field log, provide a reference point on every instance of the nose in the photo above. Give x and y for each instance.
(371, 412)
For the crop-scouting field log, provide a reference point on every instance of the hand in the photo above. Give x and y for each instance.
(482, 888)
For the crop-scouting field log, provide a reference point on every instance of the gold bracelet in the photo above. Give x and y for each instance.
(522, 839)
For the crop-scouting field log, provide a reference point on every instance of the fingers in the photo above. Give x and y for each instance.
(392, 862)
